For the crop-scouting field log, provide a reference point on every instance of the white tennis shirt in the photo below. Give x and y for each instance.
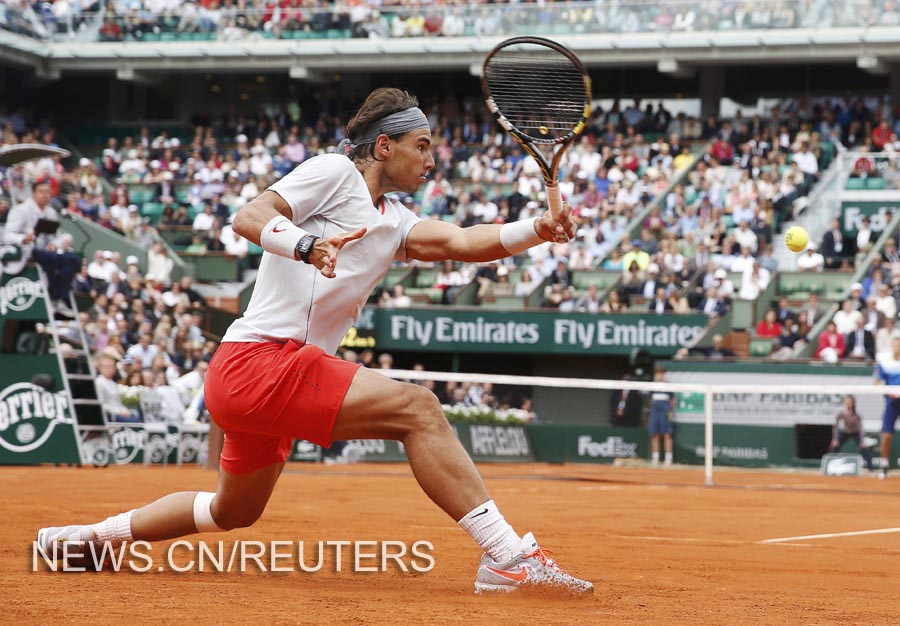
(291, 299)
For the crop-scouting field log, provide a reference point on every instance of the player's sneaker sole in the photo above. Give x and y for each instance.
(530, 570)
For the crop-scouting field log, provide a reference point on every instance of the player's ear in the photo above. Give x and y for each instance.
(383, 145)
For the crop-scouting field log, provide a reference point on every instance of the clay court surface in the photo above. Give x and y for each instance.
(661, 548)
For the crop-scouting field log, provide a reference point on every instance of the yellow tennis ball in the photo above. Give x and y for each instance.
(796, 238)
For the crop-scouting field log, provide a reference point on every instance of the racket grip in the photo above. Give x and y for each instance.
(554, 201)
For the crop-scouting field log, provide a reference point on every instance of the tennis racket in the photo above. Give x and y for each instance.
(19, 153)
(540, 93)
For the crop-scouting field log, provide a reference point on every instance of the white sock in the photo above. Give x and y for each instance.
(115, 530)
(491, 531)
(655, 457)
(668, 457)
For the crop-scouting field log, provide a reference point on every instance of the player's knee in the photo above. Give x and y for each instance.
(424, 409)
(231, 517)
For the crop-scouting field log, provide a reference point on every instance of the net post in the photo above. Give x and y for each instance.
(708, 434)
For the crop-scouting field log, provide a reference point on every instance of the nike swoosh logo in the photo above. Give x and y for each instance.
(479, 513)
(519, 576)
(276, 230)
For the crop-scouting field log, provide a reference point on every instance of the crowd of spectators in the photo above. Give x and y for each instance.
(862, 326)
(722, 218)
(230, 20)
(144, 333)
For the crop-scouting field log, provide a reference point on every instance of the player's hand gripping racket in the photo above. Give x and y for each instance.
(540, 92)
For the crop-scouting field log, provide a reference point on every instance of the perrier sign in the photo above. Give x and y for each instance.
(36, 426)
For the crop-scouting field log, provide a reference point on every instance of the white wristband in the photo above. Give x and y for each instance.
(518, 236)
(280, 236)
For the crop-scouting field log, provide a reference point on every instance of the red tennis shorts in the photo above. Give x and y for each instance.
(265, 395)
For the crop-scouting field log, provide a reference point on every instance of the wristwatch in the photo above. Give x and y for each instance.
(305, 246)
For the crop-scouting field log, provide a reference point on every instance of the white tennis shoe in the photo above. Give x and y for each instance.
(530, 568)
(52, 538)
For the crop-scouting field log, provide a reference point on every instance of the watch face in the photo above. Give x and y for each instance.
(304, 247)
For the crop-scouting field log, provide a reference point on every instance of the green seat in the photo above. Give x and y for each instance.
(504, 302)
(153, 210)
(760, 346)
(253, 249)
(875, 183)
(140, 194)
(855, 183)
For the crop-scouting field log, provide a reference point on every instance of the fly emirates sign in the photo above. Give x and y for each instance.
(538, 332)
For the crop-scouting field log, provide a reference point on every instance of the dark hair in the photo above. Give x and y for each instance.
(380, 103)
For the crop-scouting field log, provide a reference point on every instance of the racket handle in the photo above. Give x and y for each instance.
(554, 201)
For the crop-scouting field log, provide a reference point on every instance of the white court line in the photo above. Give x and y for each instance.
(678, 539)
(878, 531)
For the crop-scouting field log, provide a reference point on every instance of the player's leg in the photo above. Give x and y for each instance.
(377, 407)
(656, 432)
(667, 441)
(887, 435)
(654, 448)
(238, 502)
(886, 441)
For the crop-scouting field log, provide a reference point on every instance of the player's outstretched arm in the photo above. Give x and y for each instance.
(253, 216)
(434, 240)
(266, 221)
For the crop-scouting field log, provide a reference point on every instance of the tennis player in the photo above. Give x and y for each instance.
(330, 234)
(887, 372)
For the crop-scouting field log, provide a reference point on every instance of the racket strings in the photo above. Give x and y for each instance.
(542, 95)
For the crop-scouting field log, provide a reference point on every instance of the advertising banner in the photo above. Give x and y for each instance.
(564, 443)
(36, 425)
(549, 332)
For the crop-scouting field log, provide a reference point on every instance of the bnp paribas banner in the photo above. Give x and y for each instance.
(37, 424)
(749, 446)
(771, 408)
(549, 332)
